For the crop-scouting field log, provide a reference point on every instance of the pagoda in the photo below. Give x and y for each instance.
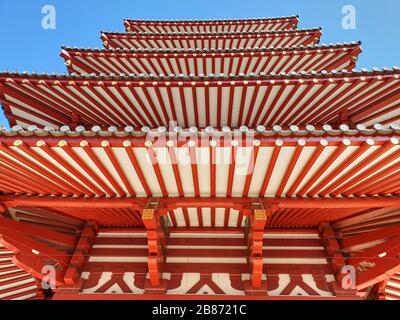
(233, 159)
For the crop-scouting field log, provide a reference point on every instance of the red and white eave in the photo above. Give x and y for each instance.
(222, 159)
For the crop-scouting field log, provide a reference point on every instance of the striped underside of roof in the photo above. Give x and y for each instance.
(15, 283)
(392, 289)
(267, 39)
(325, 166)
(201, 26)
(195, 63)
(354, 97)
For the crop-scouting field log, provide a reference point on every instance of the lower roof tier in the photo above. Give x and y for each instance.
(213, 263)
(292, 260)
(329, 166)
(367, 97)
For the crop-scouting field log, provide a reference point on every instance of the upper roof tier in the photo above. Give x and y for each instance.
(260, 39)
(196, 63)
(353, 97)
(201, 26)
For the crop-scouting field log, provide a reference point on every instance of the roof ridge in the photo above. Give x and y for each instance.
(209, 20)
(209, 33)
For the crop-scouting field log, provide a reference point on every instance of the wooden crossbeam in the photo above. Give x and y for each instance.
(171, 203)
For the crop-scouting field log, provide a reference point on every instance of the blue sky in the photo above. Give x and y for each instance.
(26, 46)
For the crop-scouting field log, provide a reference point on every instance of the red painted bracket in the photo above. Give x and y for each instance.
(255, 236)
(157, 241)
(81, 252)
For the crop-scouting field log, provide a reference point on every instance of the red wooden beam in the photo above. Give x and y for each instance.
(54, 180)
(117, 166)
(314, 157)
(295, 157)
(325, 166)
(135, 163)
(125, 115)
(156, 167)
(350, 159)
(232, 165)
(250, 168)
(105, 107)
(171, 203)
(139, 120)
(348, 183)
(54, 170)
(351, 242)
(45, 147)
(336, 259)
(382, 180)
(62, 240)
(80, 256)
(375, 106)
(376, 264)
(78, 160)
(175, 167)
(356, 101)
(374, 254)
(271, 166)
(16, 181)
(95, 159)
(161, 102)
(16, 90)
(277, 115)
(212, 157)
(14, 171)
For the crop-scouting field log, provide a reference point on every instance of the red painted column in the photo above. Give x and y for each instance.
(255, 236)
(157, 240)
